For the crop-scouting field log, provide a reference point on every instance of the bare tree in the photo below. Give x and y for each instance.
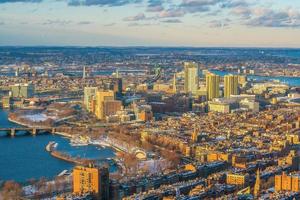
(11, 190)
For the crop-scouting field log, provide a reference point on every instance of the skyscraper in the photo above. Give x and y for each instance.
(101, 97)
(212, 86)
(230, 85)
(190, 77)
(91, 180)
(89, 96)
(22, 90)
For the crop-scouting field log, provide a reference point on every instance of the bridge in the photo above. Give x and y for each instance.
(32, 131)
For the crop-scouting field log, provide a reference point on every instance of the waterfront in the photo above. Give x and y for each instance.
(25, 157)
(292, 81)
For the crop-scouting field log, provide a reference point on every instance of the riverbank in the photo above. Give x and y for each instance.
(18, 122)
(293, 81)
(68, 158)
(112, 145)
(29, 126)
(24, 158)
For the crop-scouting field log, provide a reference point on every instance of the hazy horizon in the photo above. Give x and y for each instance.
(159, 23)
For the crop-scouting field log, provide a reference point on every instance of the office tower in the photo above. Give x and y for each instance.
(230, 85)
(22, 90)
(91, 180)
(111, 107)
(212, 86)
(117, 85)
(101, 97)
(257, 184)
(89, 96)
(190, 77)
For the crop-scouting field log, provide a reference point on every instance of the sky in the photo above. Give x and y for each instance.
(195, 23)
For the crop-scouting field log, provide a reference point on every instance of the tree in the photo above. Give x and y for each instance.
(11, 191)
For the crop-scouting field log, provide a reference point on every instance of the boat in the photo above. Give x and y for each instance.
(51, 145)
(63, 173)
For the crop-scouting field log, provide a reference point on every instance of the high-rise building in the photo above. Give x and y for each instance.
(111, 107)
(91, 180)
(191, 77)
(22, 90)
(115, 84)
(287, 183)
(230, 85)
(89, 97)
(212, 86)
(101, 97)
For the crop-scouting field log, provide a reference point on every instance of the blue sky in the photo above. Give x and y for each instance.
(253, 23)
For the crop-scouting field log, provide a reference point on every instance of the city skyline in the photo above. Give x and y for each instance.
(199, 23)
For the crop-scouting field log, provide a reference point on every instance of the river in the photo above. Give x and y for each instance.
(24, 156)
(292, 81)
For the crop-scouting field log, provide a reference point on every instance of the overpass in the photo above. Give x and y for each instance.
(33, 131)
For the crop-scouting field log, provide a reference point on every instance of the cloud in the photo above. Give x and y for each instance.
(155, 6)
(172, 21)
(234, 4)
(110, 24)
(138, 17)
(272, 18)
(171, 13)
(195, 6)
(20, 1)
(109, 3)
(2, 23)
(141, 24)
(192, 6)
(242, 12)
(219, 23)
(84, 23)
(267, 17)
(57, 22)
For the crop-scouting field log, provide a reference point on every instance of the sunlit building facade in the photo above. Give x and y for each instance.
(191, 77)
(212, 86)
(91, 180)
(230, 85)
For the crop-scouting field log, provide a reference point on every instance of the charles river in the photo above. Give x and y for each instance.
(24, 157)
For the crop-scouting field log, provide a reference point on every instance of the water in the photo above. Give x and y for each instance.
(292, 81)
(25, 157)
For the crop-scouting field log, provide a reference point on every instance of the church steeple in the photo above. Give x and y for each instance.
(257, 184)
(174, 84)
